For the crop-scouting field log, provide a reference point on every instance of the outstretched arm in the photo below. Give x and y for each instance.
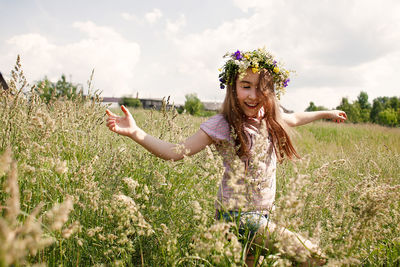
(301, 118)
(127, 126)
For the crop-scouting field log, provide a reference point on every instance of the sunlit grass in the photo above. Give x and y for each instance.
(131, 208)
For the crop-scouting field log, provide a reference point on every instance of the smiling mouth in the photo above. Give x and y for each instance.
(251, 106)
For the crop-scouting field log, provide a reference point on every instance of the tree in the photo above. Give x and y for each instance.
(378, 105)
(193, 104)
(362, 100)
(364, 106)
(352, 110)
(394, 102)
(385, 103)
(388, 117)
(61, 88)
(313, 107)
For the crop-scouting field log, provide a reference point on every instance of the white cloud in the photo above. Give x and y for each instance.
(245, 5)
(129, 17)
(173, 27)
(113, 57)
(153, 16)
(335, 48)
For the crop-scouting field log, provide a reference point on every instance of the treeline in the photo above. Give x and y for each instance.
(63, 88)
(383, 110)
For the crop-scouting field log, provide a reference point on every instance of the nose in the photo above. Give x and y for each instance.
(253, 93)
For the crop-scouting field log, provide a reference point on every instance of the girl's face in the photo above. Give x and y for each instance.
(249, 97)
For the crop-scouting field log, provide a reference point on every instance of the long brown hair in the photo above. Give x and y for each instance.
(275, 125)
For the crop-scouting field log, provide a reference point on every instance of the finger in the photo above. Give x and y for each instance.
(109, 113)
(110, 121)
(125, 110)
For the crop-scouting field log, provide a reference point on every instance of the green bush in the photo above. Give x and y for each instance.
(193, 104)
(131, 102)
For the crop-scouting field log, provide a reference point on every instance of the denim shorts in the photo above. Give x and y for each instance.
(249, 222)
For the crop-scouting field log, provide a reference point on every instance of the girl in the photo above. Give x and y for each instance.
(254, 81)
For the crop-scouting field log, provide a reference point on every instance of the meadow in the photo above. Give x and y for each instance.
(74, 193)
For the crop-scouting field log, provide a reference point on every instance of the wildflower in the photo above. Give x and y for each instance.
(238, 63)
(238, 55)
(285, 83)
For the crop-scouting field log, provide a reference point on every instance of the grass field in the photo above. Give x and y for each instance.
(86, 196)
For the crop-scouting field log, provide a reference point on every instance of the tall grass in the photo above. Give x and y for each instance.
(119, 205)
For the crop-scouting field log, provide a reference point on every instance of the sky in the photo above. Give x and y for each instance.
(158, 48)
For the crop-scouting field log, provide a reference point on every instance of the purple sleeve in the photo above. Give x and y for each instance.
(217, 128)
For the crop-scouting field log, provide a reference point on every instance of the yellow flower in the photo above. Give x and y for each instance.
(247, 56)
(219, 69)
(276, 70)
(254, 70)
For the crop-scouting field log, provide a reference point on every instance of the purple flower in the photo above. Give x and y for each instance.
(275, 63)
(222, 86)
(238, 55)
(285, 83)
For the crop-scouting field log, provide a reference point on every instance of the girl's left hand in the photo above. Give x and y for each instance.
(337, 116)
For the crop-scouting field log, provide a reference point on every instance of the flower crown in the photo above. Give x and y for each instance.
(239, 62)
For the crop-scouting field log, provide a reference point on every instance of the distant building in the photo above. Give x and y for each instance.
(212, 106)
(3, 83)
(149, 103)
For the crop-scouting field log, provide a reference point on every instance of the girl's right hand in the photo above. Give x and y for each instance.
(121, 125)
(337, 115)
